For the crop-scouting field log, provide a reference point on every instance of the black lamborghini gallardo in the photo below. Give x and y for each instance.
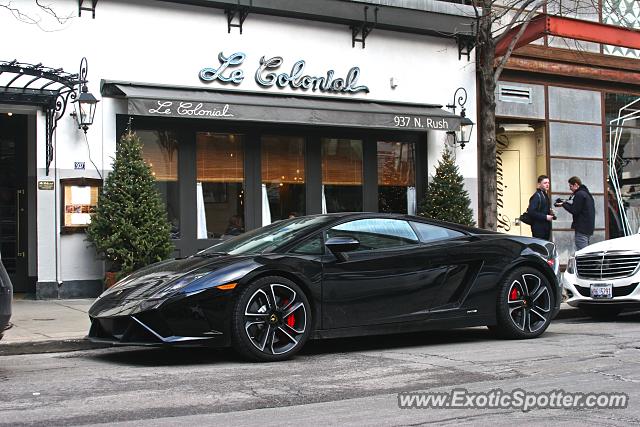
(268, 291)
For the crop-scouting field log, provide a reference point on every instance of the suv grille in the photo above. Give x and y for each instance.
(607, 265)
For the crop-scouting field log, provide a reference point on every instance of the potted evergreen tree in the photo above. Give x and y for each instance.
(130, 228)
(445, 198)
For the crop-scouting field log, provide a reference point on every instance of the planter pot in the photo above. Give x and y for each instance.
(110, 279)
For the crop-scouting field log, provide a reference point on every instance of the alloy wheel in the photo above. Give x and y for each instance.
(275, 319)
(529, 303)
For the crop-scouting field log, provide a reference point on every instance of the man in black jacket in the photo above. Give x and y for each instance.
(583, 211)
(540, 210)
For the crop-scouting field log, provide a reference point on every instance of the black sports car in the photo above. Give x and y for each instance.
(269, 290)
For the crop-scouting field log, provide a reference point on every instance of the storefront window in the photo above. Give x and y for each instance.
(341, 175)
(283, 179)
(396, 177)
(220, 184)
(623, 146)
(160, 152)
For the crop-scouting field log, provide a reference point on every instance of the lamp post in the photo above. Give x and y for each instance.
(85, 104)
(463, 134)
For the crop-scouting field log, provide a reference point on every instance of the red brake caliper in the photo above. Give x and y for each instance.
(291, 319)
(513, 295)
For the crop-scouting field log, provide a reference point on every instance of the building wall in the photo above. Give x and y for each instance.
(573, 118)
(167, 44)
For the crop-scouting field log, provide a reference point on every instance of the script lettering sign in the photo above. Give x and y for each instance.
(267, 75)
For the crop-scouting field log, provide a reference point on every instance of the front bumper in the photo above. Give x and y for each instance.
(626, 291)
(200, 320)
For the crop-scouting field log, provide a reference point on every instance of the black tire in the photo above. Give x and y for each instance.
(525, 304)
(271, 320)
(601, 312)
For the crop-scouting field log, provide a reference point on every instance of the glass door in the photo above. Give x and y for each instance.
(13, 212)
(396, 177)
(341, 175)
(219, 185)
(283, 177)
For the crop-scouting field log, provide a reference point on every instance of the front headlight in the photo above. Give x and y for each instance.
(571, 266)
(176, 286)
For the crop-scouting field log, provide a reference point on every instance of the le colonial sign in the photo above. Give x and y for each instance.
(266, 75)
(261, 107)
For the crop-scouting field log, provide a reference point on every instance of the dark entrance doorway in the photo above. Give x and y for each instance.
(13, 198)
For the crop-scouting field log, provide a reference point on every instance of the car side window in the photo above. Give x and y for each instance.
(312, 246)
(432, 233)
(376, 233)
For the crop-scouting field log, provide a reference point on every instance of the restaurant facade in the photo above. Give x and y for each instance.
(248, 114)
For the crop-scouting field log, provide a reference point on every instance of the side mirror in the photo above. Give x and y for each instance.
(338, 245)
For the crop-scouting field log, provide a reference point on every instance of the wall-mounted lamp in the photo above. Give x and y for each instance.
(463, 134)
(85, 104)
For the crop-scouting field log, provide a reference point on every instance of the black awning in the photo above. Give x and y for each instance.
(157, 101)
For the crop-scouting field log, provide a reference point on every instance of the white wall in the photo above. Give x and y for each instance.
(167, 44)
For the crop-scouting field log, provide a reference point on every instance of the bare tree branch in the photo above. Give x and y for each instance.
(32, 18)
(512, 44)
(18, 14)
(518, 14)
(61, 19)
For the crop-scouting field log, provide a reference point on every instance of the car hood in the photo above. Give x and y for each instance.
(628, 243)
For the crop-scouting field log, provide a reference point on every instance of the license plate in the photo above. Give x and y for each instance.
(601, 290)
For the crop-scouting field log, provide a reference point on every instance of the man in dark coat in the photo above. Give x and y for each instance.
(582, 207)
(540, 210)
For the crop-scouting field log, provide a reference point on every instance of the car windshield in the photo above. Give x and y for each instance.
(267, 238)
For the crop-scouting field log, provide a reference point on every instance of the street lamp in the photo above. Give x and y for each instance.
(85, 104)
(462, 135)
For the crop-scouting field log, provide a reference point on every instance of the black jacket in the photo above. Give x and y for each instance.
(583, 210)
(539, 208)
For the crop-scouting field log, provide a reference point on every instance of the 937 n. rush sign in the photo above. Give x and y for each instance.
(266, 75)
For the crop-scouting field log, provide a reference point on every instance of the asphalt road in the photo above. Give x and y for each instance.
(345, 382)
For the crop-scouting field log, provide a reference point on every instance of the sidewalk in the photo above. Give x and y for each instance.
(45, 326)
(48, 326)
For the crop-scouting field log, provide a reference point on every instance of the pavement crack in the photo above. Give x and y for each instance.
(616, 377)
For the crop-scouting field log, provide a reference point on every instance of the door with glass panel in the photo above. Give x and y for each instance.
(341, 175)
(219, 185)
(283, 177)
(396, 177)
(160, 152)
(13, 199)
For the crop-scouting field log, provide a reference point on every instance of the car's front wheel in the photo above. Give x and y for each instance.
(271, 320)
(525, 304)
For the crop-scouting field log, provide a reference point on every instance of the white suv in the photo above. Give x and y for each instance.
(602, 279)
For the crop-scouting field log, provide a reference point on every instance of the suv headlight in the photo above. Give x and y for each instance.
(571, 265)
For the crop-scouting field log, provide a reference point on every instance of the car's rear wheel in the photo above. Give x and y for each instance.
(604, 312)
(271, 320)
(525, 304)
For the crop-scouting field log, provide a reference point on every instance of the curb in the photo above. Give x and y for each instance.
(48, 346)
